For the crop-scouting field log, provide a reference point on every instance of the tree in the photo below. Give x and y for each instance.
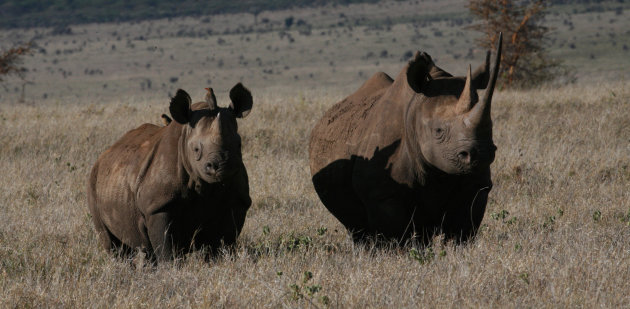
(525, 62)
(288, 22)
(11, 59)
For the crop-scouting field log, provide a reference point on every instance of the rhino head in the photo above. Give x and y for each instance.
(445, 120)
(210, 147)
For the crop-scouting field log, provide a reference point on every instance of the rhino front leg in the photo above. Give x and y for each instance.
(160, 235)
(462, 224)
(390, 218)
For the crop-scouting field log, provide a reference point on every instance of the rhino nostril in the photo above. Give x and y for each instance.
(464, 156)
(210, 168)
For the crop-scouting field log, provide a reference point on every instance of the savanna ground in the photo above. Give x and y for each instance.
(556, 231)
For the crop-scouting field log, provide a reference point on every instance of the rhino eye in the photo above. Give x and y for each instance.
(197, 149)
(438, 133)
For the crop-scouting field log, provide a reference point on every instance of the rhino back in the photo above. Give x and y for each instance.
(114, 181)
(341, 126)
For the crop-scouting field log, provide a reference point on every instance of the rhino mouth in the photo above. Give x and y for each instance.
(472, 160)
(220, 167)
(218, 171)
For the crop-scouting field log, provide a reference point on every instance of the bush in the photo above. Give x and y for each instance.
(525, 62)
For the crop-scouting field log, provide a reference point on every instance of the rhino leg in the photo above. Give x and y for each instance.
(160, 236)
(333, 185)
(146, 241)
(226, 223)
(462, 224)
(221, 231)
(391, 218)
(108, 241)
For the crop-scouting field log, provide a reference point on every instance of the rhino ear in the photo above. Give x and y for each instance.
(418, 71)
(241, 101)
(180, 107)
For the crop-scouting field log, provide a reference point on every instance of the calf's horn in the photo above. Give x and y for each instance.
(217, 127)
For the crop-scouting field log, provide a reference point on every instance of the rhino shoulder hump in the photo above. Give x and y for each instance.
(378, 81)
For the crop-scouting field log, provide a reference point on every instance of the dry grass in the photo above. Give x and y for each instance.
(555, 234)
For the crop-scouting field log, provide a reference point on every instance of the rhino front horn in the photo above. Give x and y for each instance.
(481, 111)
(217, 127)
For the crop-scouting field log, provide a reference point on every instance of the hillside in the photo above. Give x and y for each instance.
(62, 13)
(336, 47)
(41, 13)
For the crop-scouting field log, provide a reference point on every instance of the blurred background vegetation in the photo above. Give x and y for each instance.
(41, 13)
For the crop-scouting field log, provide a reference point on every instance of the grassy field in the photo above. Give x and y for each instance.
(555, 232)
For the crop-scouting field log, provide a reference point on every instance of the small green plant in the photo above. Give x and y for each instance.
(32, 195)
(500, 215)
(294, 242)
(325, 300)
(625, 218)
(511, 221)
(525, 277)
(422, 256)
(312, 289)
(560, 212)
(597, 215)
(304, 289)
(321, 231)
(549, 222)
(307, 276)
(296, 292)
(266, 230)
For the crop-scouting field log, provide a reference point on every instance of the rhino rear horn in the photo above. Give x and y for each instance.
(469, 97)
(180, 107)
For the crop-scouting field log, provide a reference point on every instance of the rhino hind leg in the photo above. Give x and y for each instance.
(109, 242)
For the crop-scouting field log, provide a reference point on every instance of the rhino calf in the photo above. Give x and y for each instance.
(171, 189)
(410, 156)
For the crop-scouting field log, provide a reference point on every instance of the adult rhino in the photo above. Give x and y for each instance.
(171, 189)
(410, 156)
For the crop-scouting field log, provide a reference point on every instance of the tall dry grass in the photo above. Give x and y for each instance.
(555, 233)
